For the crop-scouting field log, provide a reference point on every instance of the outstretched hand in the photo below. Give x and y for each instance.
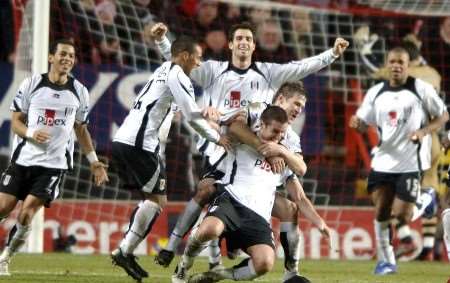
(340, 45)
(158, 31)
(98, 169)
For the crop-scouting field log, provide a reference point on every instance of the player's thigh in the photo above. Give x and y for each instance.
(7, 204)
(205, 191)
(139, 169)
(263, 257)
(407, 187)
(284, 209)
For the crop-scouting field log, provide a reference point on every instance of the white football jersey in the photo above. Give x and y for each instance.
(250, 180)
(226, 87)
(166, 86)
(54, 108)
(396, 113)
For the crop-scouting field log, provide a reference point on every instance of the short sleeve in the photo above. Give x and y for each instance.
(432, 103)
(21, 101)
(366, 110)
(83, 111)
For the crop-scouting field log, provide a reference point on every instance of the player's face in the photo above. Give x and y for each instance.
(273, 131)
(194, 60)
(243, 43)
(293, 106)
(397, 64)
(63, 60)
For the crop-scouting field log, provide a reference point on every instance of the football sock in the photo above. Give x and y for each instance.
(184, 223)
(141, 223)
(17, 237)
(243, 271)
(446, 227)
(385, 251)
(215, 256)
(290, 241)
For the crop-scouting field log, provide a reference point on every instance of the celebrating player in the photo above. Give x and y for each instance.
(400, 109)
(136, 144)
(46, 109)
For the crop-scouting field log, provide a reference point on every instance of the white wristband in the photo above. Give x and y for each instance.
(92, 157)
(30, 133)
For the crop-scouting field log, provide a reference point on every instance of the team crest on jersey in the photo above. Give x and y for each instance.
(56, 95)
(213, 208)
(6, 179)
(68, 111)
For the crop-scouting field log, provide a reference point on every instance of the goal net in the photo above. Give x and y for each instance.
(115, 57)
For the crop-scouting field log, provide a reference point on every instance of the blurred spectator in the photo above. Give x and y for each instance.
(269, 43)
(215, 44)
(7, 50)
(258, 15)
(108, 46)
(306, 36)
(138, 49)
(438, 52)
(206, 15)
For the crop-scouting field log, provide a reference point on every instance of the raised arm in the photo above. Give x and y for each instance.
(295, 70)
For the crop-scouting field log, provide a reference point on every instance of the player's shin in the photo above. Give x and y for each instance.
(290, 241)
(385, 251)
(16, 238)
(215, 257)
(141, 223)
(184, 224)
(245, 270)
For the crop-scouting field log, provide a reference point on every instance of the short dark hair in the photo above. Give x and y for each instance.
(243, 25)
(290, 89)
(274, 113)
(54, 44)
(183, 44)
(398, 49)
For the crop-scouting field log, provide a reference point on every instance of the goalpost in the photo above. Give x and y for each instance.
(41, 22)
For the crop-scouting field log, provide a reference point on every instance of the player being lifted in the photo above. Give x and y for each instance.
(232, 84)
(46, 110)
(400, 109)
(136, 144)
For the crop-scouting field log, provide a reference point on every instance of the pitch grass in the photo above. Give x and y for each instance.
(96, 268)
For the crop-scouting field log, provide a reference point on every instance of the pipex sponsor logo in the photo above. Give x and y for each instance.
(49, 119)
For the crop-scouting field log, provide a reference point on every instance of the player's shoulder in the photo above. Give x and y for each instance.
(422, 86)
(32, 81)
(376, 89)
(175, 72)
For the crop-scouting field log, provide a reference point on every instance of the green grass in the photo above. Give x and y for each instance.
(96, 268)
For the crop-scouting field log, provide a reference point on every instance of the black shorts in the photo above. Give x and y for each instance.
(405, 185)
(243, 227)
(211, 171)
(139, 169)
(21, 181)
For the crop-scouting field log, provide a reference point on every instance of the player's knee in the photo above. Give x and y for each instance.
(403, 216)
(263, 265)
(208, 232)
